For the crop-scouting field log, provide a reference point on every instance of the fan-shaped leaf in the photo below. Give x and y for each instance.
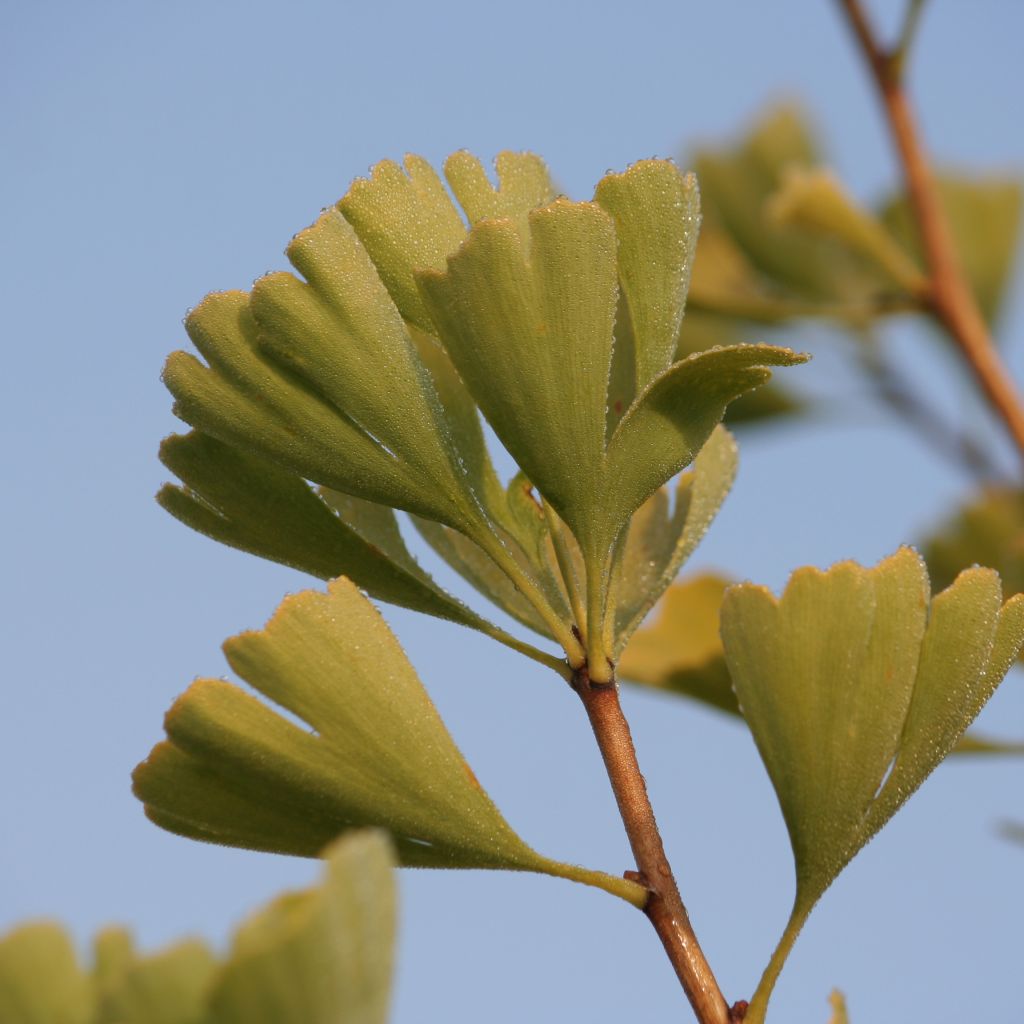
(169, 987)
(406, 220)
(245, 399)
(984, 217)
(533, 342)
(673, 418)
(41, 981)
(854, 690)
(234, 771)
(816, 201)
(987, 530)
(657, 217)
(523, 185)
(681, 651)
(322, 956)
(657, 546)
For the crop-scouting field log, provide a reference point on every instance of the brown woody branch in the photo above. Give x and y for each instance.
(949, 296)
(664, 907)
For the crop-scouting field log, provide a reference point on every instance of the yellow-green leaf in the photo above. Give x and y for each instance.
(854, 689)
(169, 987)
(321, 956)
(41, 981)
(816, 201)
(681, 651)
(987, 530)
(672, 419)
(245, 399)
(533, 342)
(523, 185)
(406, 220)
(371, 750)
(984, 218)
(657, 217)
(704, 330)
(657, 545)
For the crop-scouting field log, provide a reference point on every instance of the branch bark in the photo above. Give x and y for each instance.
(949, 295)
(664, 907)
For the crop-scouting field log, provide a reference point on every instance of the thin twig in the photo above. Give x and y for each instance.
(664, 907)
(950, 297)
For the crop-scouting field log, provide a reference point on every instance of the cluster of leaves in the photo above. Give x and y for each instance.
(329, 401)
(320, 955)
(563, 324)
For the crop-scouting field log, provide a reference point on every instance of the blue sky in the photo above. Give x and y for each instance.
(154, 152)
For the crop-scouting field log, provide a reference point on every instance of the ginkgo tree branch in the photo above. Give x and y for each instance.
(664, 907)
(949, 295)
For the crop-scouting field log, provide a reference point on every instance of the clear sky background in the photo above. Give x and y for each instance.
(154, 152)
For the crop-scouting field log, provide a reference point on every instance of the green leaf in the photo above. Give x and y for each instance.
(702, 331)
(816, 201)
(657, 546)
(523, 185)
(164, 988)
(245, 399)
(984, 218)
(340, 333)
(113, 954)
(527, 336)
(681, 651)
(41, 981)
(248, 503)
(479, 569)
(322, 956)
(406, 220)
(236, 772)
(987, 530)
(672, 419)
(656, 211)
(765, 269)
(854, 690)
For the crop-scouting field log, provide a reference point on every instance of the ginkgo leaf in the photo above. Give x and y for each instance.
(657, 545)
(113, 953)
(523, 185)
(246, 502)
(657, 217)
(681, 651)
(816, 201)
(367, 375)
(249, 503)
(526, 333)
(984, 217)
(245, 399)
(987, 530)
(406, 220)
(533, 342)
(854, 689)
(672, 419)
(372, 750)
(169, 987)
(736, 185)
(320, 956)
(41, 981)
(476, 567)
(341, 335)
